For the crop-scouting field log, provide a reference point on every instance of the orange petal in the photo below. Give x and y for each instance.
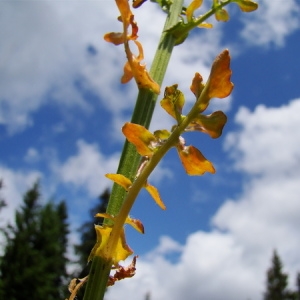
(194, 162)
(219, 84)
(144, 141)
(120, 180)
(191, 8)
(155, 195)
(136, 224)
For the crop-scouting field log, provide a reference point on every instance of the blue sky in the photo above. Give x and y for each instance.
(62, 108)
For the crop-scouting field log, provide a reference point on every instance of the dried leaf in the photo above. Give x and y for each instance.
(195, 4)
(155, 195)
(173, 102)
(193, 161)
(219, 84)
(120, 180)
(144, 141)
(212, 124)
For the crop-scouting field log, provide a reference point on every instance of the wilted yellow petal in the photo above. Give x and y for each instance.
(173, 102)
(191, 8)
(219, 84)
(222, 15)
(205, 25)
(120, 180)
(122, 250)
(125, 11)
(246, 5)
(140, 72)
(212, 124)
(116, 38)
(155, 195)
(144, 141)
(162, 134)
(136, 224)
(197, 85)
(137, 3)
(194, 162)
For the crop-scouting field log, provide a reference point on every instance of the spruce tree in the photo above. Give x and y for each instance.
(277, 282)
(33, 266)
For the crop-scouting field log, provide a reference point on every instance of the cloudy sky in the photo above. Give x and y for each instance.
(62, 107)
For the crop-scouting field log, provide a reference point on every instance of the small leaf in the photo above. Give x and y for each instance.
(120, 180)
(155, 195)
(219, 84)
(173, 102)
(246, 5)
(212, 124)
(194, 162)
(195, 4)
(144, 141)
(136, 224)
(222, 15)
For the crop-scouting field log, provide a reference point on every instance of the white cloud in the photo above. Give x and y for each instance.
(268, 141)
(231, 260)
(15, 184)
(87, 168)
(271, 23)
(44, 54)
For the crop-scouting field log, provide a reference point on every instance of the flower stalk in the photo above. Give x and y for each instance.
(133, 173)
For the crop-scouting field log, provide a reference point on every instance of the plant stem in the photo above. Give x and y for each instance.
(129, 160)
(144, 107)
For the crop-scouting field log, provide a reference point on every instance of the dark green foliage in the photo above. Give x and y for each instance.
(88, 237)
(277, 282)
(33, 266)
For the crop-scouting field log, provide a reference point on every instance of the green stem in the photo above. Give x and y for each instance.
(144, 107)
(129, 160)
(139, 183)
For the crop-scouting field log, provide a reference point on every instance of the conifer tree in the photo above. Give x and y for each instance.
(277, 282)
(33, 265)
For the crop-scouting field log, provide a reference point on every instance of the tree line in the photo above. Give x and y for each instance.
(34, 262)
